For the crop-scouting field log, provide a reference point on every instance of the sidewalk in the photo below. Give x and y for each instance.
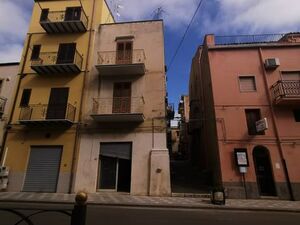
(146, 201)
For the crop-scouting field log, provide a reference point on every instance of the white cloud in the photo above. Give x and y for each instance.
(176, 12)
(11, 53)
(14, 18)
(255, 16)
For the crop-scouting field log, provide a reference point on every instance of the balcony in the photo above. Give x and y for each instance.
(286, 92)
(72, 20)
(121, 109)
(121, 63)
(2, 105)
(47, 115)
(50, 63)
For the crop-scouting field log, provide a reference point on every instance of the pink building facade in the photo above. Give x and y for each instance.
(232, 86)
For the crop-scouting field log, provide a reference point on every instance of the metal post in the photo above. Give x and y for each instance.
(244, 182)
(79, 210)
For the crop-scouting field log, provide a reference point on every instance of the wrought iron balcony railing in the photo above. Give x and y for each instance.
(2, 105)
(64, 21)
(47, 113)
(257, 38)
(121, 63)
(50, 62)
(121, 57)
(118, 105)
(286, 89)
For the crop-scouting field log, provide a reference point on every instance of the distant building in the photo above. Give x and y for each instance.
(184, 111)
(175, 134)
(237, 84)
(8, 86)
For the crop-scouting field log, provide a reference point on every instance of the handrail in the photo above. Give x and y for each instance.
(118, 105)
(121, 57)
(286, 89)
(59, 16)
(256, 38)
(44, 112)
(50, 58)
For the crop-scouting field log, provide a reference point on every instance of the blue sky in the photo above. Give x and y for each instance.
(221, 17)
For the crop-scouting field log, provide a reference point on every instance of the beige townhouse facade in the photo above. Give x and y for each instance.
(123, 131)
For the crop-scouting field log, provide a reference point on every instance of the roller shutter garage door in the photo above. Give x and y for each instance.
(43, 169)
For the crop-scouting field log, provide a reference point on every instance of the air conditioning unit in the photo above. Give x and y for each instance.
(272, 63)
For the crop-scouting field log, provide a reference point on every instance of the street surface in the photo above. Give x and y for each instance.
(118, 215)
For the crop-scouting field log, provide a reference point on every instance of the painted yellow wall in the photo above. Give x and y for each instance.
(20, 137)
(20, 142)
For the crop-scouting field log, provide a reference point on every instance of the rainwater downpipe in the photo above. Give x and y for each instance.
(76, 144)
(279, 142)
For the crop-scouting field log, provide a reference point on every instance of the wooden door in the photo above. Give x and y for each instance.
(124, 52)
(58, 103)
(122, 97)
(66, 53)
(263, 170)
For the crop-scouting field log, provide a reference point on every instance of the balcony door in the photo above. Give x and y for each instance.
(66, 53)
(58, 103)
(122, 97)
(124, 52)
(73, 14)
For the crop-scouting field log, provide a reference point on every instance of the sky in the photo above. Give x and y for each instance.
(220, 17)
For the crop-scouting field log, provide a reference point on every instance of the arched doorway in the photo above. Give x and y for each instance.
(264, 172)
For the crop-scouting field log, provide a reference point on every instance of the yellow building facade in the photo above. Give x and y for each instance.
(54, 65)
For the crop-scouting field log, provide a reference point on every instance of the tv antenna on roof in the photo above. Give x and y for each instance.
(158, 13)
(116, 6)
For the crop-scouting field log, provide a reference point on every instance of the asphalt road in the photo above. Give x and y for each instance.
(115, 215)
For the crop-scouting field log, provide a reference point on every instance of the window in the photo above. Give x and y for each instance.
(292, 76)
(247, 83)
(297, 115)
(25, 97)
(35, 52)
(253, 115)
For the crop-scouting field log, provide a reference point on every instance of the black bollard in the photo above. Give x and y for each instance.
(79, 211)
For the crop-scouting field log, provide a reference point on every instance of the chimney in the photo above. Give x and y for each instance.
(209, 40)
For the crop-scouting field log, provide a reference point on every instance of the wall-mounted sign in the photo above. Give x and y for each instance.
(241, 157)
(261, 125)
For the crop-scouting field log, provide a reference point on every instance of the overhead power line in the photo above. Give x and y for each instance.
(184, 35)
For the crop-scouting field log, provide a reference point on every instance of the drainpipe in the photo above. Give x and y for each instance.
(76, 144)
(15, 98)
(279, 142)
